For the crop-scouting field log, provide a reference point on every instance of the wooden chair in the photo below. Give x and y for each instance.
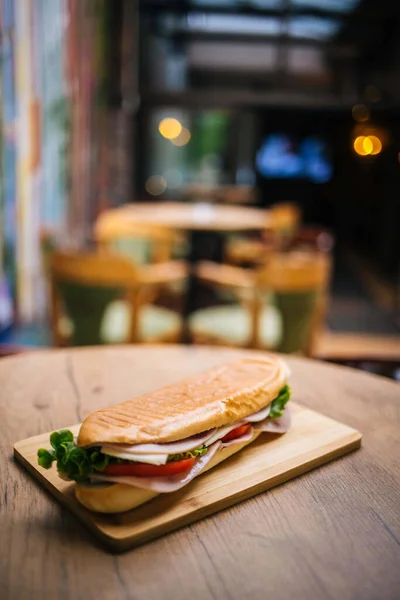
(251, 252)
(280, 306)
(144, 244)
(286, 218)
(318, 239)
(105, 299)
(284, 222)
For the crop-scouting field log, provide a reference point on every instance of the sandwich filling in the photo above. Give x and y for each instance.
(162, 467)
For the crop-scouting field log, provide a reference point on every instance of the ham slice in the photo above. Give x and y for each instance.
(258, 416)
(164, 485)
(196, 441)
(240, 440)
(280, 425)
(222, 432)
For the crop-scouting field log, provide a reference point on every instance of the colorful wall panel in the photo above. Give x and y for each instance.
(8, 197)
(56, 131)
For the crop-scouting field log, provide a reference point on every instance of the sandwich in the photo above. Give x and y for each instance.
(157, 443)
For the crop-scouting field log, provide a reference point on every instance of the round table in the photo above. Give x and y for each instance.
(333, 533)
(197, 216)
(205, 225)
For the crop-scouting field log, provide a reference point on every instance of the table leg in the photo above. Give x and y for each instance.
(203, 246)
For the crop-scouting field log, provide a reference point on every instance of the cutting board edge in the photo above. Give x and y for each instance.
(129, 543)
(75, 509)
(351, 442)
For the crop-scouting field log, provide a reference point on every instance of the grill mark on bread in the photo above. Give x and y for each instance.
(219, 397)
(107, 420)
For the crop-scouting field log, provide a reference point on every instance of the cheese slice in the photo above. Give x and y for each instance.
(151, 459)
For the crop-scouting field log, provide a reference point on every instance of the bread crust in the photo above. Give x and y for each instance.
(218, 397)
(118, 497)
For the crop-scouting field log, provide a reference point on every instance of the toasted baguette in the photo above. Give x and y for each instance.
(218, 397)
(118, 497)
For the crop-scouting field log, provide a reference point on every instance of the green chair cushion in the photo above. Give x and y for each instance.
(284, 323)
(85, 307)
(297, 311)
(98, 315)
(233, 325)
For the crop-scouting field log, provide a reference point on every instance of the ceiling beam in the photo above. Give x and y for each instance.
(334, 49)
(179, 7)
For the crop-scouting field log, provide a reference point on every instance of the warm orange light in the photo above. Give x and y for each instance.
(170, 128)
(366, 145)
(182, 138)
(155, 185)
(376, 144)
(358, 145)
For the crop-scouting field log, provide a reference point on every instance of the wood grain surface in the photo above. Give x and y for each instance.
(358, 346)
(332, 533)
(312, 441)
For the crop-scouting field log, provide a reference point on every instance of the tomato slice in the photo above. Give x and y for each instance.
(236, 433)
(145, 470)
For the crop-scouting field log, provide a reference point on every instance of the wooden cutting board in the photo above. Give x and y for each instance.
(312, 441)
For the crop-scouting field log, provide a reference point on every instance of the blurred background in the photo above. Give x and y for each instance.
(205, 171)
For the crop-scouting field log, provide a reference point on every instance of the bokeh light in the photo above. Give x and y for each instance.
(360, 113)
(155, 185)
(366, 145)
(183, 138)
(376, 144)
(170, 128)
(358, 145)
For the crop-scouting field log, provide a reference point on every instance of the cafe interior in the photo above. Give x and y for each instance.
(202, 172)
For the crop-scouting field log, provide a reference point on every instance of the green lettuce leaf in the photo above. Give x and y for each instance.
(61, 438)
(45, 458)
(76, 463)
(278, 405)
(190, 454)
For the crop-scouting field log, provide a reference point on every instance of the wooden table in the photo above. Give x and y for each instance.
(333, 533)
(197, 216)
(199, 220)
